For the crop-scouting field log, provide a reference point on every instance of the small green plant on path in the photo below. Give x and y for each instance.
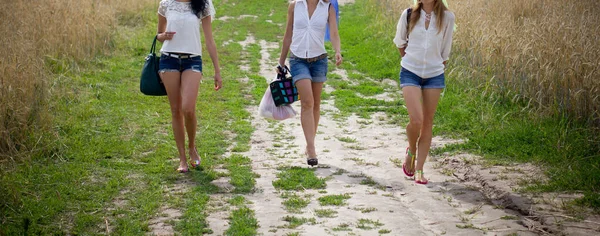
(296, 178)
(334, 200)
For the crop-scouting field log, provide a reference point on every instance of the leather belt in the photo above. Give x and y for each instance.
(312, 59)
(180, 56)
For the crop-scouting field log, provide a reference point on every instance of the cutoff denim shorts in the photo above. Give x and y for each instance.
(408, 78)
(171, 64)
(301, 69)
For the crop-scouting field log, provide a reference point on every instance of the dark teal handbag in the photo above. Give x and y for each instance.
(150, 82)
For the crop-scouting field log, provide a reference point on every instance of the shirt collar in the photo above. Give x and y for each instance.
(423, 12)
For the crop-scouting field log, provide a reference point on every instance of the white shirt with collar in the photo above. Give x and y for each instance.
(308, 35)
(427, 49)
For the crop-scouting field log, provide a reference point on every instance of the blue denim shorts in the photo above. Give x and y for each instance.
(408, 78)
(301, 69)
(171, 64)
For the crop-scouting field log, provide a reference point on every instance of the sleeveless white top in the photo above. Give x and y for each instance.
(308, 35)
(185, 24)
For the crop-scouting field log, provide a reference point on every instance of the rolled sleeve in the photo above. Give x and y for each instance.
(448, 33)
(401, 39)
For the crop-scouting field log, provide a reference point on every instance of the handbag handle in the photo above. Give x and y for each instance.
(153, 48)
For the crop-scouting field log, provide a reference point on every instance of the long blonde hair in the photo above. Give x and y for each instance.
(438, 8)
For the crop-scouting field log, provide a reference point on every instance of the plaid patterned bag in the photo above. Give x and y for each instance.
(283, 90)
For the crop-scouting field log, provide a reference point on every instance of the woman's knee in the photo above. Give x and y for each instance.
(307, 103)
(189, 112)
(416, 121)
(176, 111)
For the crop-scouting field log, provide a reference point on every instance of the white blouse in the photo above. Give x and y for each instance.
(427, 49)
(185, 24)
(308, 35)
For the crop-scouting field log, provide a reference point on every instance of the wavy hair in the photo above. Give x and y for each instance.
(199, 7)
(438, 7)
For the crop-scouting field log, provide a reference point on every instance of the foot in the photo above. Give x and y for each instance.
(409, 163)
(183, 167)
(195, 158)
(420, 178)
(311, 159)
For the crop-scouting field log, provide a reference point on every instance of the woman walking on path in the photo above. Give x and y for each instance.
(305, 40)
(424, 42)
(180, 67)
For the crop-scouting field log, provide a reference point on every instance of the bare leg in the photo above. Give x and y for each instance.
(316, 89)
(307, 117)
(172, 82)
(430, 102)
(190, 81)
(412, 98)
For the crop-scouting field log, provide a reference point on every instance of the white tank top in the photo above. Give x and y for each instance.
(186, 25)
(308, 36)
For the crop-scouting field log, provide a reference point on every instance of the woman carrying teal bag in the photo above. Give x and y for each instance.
(180, 68)
(150, 82)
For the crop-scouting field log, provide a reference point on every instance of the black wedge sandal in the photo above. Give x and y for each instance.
(312, 161)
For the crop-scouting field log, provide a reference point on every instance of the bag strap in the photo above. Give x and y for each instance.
(408, 12)
(153, 48)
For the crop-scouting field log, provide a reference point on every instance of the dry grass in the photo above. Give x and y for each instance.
(38, 41)
(542, 53)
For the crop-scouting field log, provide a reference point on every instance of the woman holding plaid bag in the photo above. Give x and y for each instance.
(304, 40)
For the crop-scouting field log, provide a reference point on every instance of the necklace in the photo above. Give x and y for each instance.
(427, 16)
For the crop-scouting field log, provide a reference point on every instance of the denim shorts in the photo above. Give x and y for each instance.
(301, 69)
(408, 78)
(171, 64)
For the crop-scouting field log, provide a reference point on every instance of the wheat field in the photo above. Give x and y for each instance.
(542, 53)
(40, 39)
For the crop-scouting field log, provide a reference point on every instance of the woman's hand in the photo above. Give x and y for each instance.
(338, 58)
(218, 81)
(165, 36)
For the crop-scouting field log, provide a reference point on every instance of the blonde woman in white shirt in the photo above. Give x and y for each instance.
(180, 66)
(424, 43)
(304, 39)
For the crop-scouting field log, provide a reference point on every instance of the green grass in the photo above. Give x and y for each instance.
(334, 200)
(493, 125)
(368, 181)
(296, 178)
(347, 139)
(365, 209)
(295, 222)
(242, 177)
(342, 227)
(384, 231)
(368, 224)
(295, 203)
(326, 213)
(242, 223)
(237, 201)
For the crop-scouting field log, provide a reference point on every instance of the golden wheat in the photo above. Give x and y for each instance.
(541, 52)
(33, 36)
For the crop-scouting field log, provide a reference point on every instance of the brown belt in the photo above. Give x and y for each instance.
(312, 59)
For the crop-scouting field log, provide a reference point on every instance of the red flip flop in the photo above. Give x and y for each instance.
(419, 177)
(412, 162)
